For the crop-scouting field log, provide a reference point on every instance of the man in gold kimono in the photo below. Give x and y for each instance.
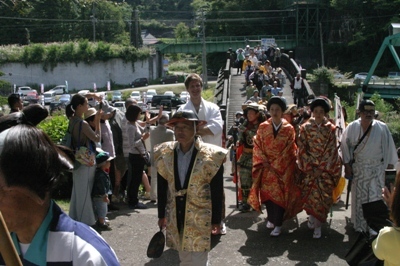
(190, 189)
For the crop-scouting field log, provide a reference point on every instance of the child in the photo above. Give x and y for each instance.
(101, 189)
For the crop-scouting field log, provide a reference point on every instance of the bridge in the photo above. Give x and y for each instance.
(223, 43)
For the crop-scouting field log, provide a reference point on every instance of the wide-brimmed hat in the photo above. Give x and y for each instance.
(90, 112)
(277, 100)
(255, 106)
(290, 108)
(156, 245)
(320, 102)
(184, 115)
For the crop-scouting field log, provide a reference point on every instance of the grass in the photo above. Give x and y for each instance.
(64, 205)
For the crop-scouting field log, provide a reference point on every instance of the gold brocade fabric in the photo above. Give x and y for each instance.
(277, 182)
(196, 235)
(320, 164)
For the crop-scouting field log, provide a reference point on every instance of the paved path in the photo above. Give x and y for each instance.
(247, 241)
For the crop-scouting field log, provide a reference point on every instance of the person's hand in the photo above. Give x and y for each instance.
(98, 115)
(387, 195)
(160, 111)
(216, 229)
(162, 223)
(106, 199)
(145, 135)
(147, 116)
(348, 171)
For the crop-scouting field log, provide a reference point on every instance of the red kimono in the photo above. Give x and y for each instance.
(276, 183)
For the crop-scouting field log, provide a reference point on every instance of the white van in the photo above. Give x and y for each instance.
(49, 97)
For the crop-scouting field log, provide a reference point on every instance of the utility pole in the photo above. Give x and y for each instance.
(204, 52)
(322, 44)
(137, 34)
(93, 23)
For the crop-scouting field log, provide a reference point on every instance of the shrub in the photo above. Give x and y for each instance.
(55, 126)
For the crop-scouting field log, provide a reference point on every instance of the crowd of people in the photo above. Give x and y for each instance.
(284, 157)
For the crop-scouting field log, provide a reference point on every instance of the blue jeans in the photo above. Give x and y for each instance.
(100, 207)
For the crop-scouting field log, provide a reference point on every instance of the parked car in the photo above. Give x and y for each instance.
(23, 91)
(142, 105)
(32, 97)
(65, 99)
(136, 95)
(171, 93)
(169, 79)
(56, 106)
(363, 75)
(59, 89)
(394, 75)
(49, 97)
(184, 96)
(166, 104)
(175, 101)
(116, 96)
(120, 105)
(140, 82)
(338, 75)
(149, 95)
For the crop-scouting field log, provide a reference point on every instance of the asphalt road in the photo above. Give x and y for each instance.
(247, 241)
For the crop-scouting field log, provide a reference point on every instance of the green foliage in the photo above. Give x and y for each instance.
(55, 126)
(182, 31)
(380, 104)
(322, 75)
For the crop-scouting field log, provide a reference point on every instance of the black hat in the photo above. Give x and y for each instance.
(156, 245)
(184, 115)
(277, 100)
(365, 103)
(320, 102)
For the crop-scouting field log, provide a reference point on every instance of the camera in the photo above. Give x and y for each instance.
(147, 127)
(101, 105)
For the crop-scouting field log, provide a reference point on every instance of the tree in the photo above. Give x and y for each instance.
(182, 31)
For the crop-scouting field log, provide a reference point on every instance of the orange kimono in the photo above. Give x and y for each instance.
(276, 183)
(320, 167)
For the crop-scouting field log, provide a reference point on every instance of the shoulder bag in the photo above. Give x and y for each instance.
(145, 155)
(84, 155)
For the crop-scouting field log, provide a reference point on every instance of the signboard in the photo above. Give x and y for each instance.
(267, 42)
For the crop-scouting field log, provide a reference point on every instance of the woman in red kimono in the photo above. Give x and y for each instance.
(319, 163)
(274, 168)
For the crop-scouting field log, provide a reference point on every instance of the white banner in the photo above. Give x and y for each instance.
(42, 88)
(108, 85)
(94, 87)
(339, 121)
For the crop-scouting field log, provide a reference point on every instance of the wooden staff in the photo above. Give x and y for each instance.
(7, 249)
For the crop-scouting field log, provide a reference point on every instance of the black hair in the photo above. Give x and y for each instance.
(76, 100)
(13, 99)
(30, 159)
(133, 112)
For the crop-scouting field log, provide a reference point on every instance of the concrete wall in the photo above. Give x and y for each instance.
(80, 76)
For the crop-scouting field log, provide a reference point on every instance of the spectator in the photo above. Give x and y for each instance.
(275, 89)
(31, 164)
(240, 60)
(194, 186)
(136, 136)
(255, 98)
(15, 102)
(274, 167)
(368, 149)
(387, 245)
(158, 135)
(102, 189)
(81, 206)
(319, 164)
(298, 90)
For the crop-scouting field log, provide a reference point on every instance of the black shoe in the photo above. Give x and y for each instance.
(244, 207)
(103, 227)
(242, 89)
(139, 206)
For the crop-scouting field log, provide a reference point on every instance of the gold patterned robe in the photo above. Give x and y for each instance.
(320, 167)
(196, 234)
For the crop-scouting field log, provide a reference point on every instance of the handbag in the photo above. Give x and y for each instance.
(361, 252)
(145, 155)
(84, 155)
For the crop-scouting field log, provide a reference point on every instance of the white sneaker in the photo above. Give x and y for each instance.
(276, 231)
(317, 232)
(270, 225)
(223, 228)
(310, 223)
